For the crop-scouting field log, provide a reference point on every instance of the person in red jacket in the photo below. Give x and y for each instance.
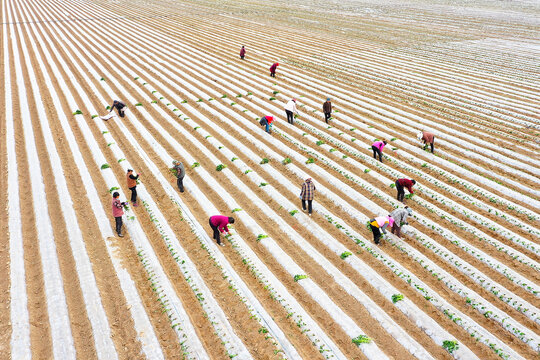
(273, 69)
(219, 223)
(401, 184)
(242, 52)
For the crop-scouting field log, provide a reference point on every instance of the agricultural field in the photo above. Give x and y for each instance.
(463, 282)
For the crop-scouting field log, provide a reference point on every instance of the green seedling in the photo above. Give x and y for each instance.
(396, 298)
(105, 166)
(220, 167)
(77, 112)
(361, 339)
(300, 277)
(345, 254)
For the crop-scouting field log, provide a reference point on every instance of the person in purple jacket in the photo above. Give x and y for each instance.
(219, 223)
(377, 148)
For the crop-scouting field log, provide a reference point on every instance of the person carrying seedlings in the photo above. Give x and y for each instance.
(308, 190)
(132, 185)
(380, 223)
(327, 109)
(242, 52)
(290, 108)
(377, 148)
(120, 106)
(427, 138)
(400, 219)
(219, 223)
(273, 69)
(180, 172)
(118, 211)
(401, 184)
(267, 121)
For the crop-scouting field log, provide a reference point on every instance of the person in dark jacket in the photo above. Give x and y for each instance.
(118, 211)
(428, 139)
(377, 148)
(180, 172)
(242, 52)
(219, 223)
(267, 121)
(400, 218)
(120, 107)
(273, 69)
(401, 184)
(132, 185)
(380, 223)
(307, 193)
(327, 109)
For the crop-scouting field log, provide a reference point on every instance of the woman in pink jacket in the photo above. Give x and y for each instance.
(378, 224)
(377, 148)
(219, 223)
(118, 211)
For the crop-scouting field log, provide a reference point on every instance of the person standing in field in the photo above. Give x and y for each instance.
(427, 138)
(179, 170)
(290, 109)
(267, 121)
(273, 69)
(242, 52)
(400, 219)
(118, 211)
(120, 107)
(132, 185)
(377, 148)
(380, 223)
(401, 184)
(327, 109)
(219, 223)
(307, 193)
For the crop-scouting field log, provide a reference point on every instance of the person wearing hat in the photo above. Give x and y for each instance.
(242, 52)
(132, 185)
(267, 121)
(180, 172)
(400, 219)
(308, 190)
(273, 69)
(427, 138)
(380, 223)
(401, 184)
(219, 223)
(377, 148)
(290, 108)
(327, 109)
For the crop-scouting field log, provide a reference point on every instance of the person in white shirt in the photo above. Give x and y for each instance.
(290, 109)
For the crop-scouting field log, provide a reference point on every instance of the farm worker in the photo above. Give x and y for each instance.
(242, 52)
(401, 184)
(400, 219)
(273, 69)
(267, 121)
(178, 168)
(132, 185)
(377, 148)
(378, 224)
(120, 106)
(219, 223)
(118, 211)
(427, 138)
(327, 109)
(308, 190)
(290, 108)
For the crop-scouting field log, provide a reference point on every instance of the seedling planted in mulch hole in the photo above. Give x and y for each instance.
(361, 339)
(300, 277)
